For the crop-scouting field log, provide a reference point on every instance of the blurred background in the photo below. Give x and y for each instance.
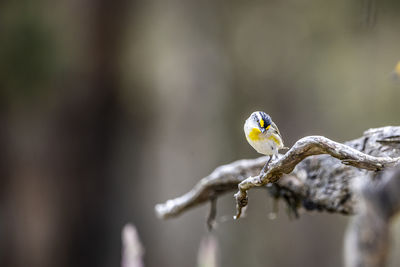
(109, 107)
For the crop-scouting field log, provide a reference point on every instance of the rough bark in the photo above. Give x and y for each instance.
(367, 241)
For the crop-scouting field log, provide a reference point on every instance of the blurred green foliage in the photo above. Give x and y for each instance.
(28, 55)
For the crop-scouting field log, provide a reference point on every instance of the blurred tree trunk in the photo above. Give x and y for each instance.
(59, 186)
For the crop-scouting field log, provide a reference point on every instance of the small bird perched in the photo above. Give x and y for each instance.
(263, 135)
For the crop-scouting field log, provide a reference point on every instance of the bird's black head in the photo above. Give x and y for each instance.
(263, 119)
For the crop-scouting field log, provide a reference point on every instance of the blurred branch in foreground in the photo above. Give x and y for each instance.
(207, 256)
(302, 177)
(132, 250)
(367, 240)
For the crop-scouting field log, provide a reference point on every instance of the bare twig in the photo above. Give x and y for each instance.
(212, 214)
(223, 179)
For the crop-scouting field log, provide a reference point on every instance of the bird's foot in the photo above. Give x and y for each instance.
(264, 170)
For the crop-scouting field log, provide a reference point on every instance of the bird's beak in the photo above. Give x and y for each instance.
(262, 130)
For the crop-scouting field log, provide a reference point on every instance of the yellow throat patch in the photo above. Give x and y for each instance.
(254, 135)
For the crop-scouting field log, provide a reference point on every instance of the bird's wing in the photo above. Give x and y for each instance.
(276, 131)
(275, 128)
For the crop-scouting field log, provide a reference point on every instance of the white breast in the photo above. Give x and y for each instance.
(264, 146)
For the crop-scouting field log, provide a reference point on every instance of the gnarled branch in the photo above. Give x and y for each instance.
(315, 182)
(305, 147)
(223, 179)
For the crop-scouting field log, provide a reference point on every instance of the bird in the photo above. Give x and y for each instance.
(263, 135)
